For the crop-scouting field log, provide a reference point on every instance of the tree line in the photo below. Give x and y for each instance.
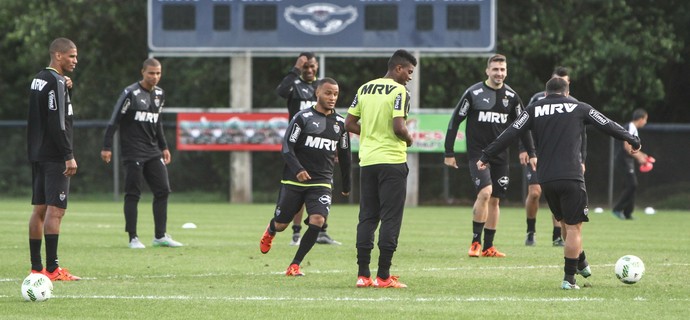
(623, 54)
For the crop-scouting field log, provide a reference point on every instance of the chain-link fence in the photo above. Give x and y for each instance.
(208, 172)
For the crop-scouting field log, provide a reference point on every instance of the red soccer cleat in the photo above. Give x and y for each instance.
(364, 282)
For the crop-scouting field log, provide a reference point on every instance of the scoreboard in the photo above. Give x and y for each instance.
(442, 26)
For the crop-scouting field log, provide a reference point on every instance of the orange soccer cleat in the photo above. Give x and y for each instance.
(475, 249)
(391, 282)
(61, 274)
(266, 241)
(364, 282)
(493, 252)
(294, 271)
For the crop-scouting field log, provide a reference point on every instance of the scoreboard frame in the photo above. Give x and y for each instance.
(199, 27)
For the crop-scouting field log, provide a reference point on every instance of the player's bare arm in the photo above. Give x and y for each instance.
(352, 124)
(400, 130)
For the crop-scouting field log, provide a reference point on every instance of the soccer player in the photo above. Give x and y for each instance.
(489, 107)
(557, 122)
(626, 161)
(315, 136)
(51, 155)
(534, 190)
(145, 151)
(298, 87)
(378, 114)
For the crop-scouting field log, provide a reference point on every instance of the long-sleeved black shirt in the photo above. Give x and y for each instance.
(557, 123)
(300, 94)
(583, 151)
(50, 118)
(311, 143)
(488, 112)
(137, 115)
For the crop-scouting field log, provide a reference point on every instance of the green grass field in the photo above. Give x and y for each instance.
(220, 273)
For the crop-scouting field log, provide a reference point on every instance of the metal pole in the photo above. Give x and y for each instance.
(116, 167)
(322, 66)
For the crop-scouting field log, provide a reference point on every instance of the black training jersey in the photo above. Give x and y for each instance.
(300, 94)
(557, 123)
(137, 114)
(488, 111)
(311, 144)
(50, 118)
(583, 151)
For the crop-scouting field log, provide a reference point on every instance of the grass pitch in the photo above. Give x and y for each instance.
(220, 273)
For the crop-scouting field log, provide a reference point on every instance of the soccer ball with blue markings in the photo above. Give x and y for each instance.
(629, 269)
(37, 287)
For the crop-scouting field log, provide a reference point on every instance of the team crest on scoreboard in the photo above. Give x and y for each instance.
(320, 18)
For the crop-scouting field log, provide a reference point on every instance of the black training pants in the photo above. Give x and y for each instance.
(383, 188)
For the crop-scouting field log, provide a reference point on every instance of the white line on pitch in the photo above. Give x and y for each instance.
(424, 269)
(335, 299)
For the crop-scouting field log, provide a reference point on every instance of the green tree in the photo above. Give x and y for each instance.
(616, 49)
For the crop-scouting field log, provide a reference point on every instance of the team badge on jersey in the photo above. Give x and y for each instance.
(336, 128)
(63, 196)
(506, 101)
(157, 102)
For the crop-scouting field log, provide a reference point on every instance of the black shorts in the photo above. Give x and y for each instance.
(530, 174)
(50, 185)
(496, 176)
(317, 200)
(567, 200)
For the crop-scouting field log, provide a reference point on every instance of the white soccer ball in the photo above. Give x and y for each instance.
(37, 287)
(649, 210)
(629, 269)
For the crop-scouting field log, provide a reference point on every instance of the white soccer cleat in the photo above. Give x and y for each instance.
(136, 244)
(569, 286)
(166, 241)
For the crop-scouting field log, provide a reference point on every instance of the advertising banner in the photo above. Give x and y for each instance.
(265, 131)
(428, 132)
(231, 131)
